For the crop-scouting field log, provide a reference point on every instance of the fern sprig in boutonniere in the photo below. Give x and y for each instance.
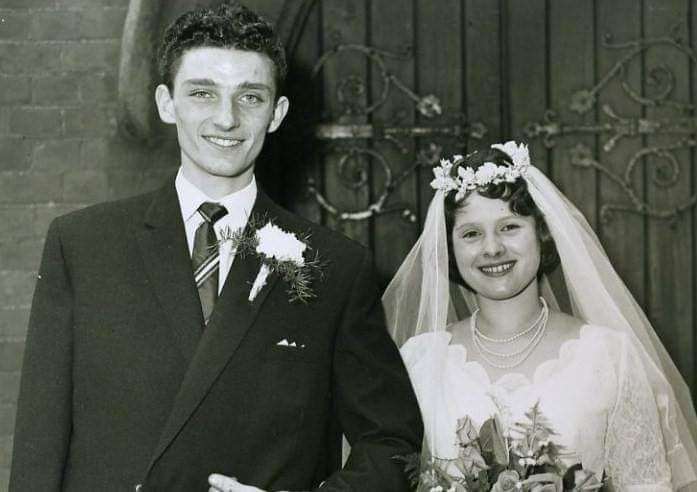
(279, 251)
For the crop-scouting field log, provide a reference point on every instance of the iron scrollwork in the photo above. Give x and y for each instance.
(347, 139)
(683, 127)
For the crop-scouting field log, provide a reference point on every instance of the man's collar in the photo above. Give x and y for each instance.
(191, 197)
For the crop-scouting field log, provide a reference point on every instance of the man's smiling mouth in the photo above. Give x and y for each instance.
(498, 269)
(223, 141)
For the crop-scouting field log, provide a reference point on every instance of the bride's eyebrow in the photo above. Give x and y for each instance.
(466, 225)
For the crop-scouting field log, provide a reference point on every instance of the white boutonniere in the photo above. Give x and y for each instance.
(279, 251)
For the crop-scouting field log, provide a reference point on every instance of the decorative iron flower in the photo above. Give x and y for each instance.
(429, 106)
(581, 156)
(582, 101)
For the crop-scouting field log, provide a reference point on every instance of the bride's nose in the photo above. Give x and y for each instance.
(493, 246)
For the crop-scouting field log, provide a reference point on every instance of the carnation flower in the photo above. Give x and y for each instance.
(276, 243)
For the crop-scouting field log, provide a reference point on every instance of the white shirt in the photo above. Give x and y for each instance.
(238, 204)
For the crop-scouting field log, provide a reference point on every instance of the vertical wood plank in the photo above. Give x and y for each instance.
(483, 69)
(526, 62)
(572, 59)
(393, 31)
(692, 19)
(297, 157)
(440, 72)
(344, 22)
(670, 282)
(624, 232)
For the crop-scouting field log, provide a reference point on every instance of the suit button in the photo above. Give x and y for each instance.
(139, 487)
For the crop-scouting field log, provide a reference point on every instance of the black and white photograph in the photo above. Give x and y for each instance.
(348, 245)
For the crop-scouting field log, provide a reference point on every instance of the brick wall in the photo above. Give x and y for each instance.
(59, 150)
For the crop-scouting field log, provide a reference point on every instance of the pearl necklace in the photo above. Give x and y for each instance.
(541, 325)
(519, 334)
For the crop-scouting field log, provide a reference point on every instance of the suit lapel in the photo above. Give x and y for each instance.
(166, 258)
(230, 321)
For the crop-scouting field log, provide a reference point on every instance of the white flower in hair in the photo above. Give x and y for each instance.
(468, 179)
(487, 173)
(443, 181)
(519, 153)
(467, 175)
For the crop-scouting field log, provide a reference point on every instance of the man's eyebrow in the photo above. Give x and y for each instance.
(254, 85)
(243, 85)
(206, 82)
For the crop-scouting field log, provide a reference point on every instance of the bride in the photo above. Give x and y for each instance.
(606, 398)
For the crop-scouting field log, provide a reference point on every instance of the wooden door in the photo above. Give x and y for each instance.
(603, 91)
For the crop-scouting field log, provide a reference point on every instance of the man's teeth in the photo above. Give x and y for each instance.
(224, 142)
(497, 268)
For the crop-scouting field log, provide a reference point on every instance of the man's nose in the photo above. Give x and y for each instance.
(226, 116)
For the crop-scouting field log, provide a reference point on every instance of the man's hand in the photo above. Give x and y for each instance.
(221, 483)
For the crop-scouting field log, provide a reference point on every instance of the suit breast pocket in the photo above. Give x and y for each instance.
(299, 354)
(291, 385)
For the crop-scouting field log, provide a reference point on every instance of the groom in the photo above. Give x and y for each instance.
(151, 362)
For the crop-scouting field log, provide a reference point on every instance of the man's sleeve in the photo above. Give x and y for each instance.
(374, 398)
(43, 423)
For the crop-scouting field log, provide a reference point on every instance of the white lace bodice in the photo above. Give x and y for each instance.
(594, 394)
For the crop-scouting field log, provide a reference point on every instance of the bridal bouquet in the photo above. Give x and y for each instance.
(490, 462)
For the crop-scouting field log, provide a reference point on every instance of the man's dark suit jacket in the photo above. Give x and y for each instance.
(122, 385)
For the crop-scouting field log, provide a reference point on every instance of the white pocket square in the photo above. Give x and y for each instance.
(286, 343)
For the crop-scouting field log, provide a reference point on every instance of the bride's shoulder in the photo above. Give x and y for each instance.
(417, 347)
(565, 327)
(427, 340)
(598, 337)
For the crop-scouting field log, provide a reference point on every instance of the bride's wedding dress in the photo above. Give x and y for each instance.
(614, 396)
(594, 395)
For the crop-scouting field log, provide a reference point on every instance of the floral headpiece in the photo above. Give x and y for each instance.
(468, 179)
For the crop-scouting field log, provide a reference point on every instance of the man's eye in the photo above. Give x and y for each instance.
(201, 94)
(252, 99)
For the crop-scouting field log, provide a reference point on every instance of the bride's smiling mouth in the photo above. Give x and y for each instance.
(498, 269)
(222, 142)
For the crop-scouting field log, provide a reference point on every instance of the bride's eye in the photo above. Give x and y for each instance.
(510, 227)
(470, 234)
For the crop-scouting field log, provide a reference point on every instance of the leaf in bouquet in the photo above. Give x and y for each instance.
(471, 456)
(586, 480)
(483, 480)
(412, 466)
(539, 424)
(514, 463)
(477, 483)
(569, 477)
(545, 482)
(466, 433)
(492, 441)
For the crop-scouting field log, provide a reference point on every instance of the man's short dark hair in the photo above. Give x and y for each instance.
(228, 25)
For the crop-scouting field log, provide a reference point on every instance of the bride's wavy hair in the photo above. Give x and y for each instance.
(519, 201)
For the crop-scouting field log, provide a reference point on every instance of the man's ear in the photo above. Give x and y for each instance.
(165, 104)
(279, 112)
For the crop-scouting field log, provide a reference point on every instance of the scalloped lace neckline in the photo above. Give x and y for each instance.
(515, 380)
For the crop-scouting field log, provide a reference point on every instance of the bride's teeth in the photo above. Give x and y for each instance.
(498, 268)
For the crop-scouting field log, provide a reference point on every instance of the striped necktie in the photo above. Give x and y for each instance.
(205, 257)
